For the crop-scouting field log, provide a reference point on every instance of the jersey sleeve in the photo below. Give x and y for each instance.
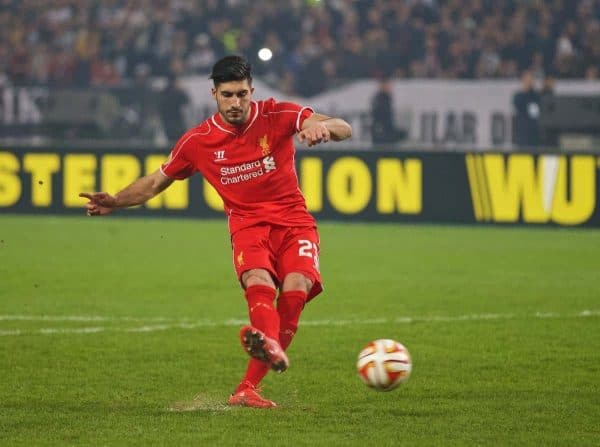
(290, 116)
(178, 167)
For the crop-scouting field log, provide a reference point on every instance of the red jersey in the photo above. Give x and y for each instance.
(252, 166)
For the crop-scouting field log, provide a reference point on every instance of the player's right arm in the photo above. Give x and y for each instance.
(137, 193)
(319, 128)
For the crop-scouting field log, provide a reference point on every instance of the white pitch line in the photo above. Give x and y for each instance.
(12, 332)
(188, 323)
(83, 330)
(83, 318)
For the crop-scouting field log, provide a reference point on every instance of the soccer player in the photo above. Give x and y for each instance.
(246, 151)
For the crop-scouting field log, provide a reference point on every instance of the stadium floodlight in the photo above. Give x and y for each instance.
(265, 54)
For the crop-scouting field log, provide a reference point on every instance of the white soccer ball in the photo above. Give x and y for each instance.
(384, 364)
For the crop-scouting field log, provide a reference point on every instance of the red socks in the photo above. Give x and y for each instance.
(254, 374)
(289, 308)
(262, 311)
(260, 305)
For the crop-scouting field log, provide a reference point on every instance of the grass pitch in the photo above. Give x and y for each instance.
(120, 331)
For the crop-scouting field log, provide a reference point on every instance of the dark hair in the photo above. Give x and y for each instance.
(231, 68)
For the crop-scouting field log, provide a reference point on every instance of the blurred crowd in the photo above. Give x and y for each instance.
(315, 44)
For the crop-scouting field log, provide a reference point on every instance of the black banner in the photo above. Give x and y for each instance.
(366, 186)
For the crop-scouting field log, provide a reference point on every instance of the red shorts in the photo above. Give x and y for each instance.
(279, 250)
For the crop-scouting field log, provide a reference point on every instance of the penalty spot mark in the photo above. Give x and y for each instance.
(199, 403)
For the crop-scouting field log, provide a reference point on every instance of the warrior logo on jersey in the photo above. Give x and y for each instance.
(264, 145)
(269, 163)
(220, 156)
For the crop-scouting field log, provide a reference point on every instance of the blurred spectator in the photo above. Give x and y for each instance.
(173, 99)
(18, 64)
(353, 60)
(548, 86)
(142, 113)
(104, 74)
(40, 64)
(547, 137)
(527, 113)
(315, 44)
(592, 73)
(383, 127)
(62, 67)
(202, 57)
(86, 47)
(141, 78)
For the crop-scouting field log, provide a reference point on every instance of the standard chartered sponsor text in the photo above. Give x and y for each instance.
(244, 171)
(228, 170)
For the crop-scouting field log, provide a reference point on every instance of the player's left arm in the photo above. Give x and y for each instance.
(319, 128)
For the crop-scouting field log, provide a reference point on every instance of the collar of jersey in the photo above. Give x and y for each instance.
(236, 130)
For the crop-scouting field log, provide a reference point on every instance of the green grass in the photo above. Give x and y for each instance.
(502, 352)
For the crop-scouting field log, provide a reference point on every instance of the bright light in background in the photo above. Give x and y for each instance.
(265, 54)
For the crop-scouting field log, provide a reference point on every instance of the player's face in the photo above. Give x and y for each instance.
(233, 101)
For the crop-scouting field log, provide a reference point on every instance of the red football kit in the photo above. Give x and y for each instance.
(252, 168)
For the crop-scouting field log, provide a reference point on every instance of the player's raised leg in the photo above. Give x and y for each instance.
(261, 338)
(264, 349)
(289, 307)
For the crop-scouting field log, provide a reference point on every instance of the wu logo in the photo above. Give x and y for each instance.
(269, 163)
(532, 189)
(220, 155)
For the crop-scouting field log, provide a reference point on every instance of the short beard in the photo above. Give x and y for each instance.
(237, 121)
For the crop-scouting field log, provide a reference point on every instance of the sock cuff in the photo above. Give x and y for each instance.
(260, 292)
(294, 295)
